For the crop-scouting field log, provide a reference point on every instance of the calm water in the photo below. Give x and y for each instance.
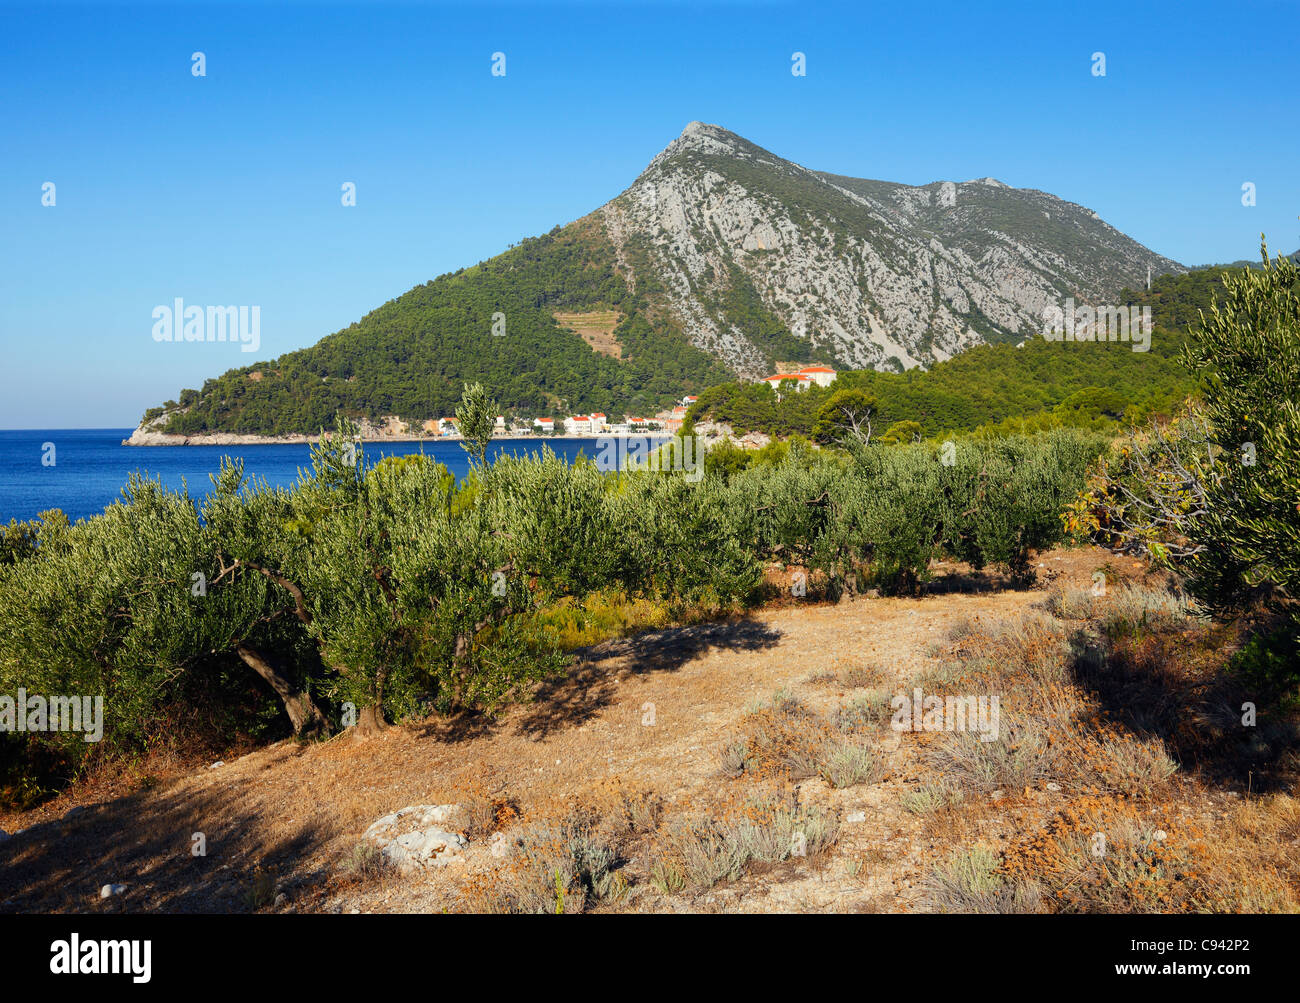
(91, 465)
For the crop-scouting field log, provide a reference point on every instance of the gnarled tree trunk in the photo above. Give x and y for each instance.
(303, 713)
(370, 721)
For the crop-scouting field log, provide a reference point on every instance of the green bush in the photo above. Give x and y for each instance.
(1247, 354)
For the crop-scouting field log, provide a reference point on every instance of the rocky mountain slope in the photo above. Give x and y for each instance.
(870, 274)
(720, 261)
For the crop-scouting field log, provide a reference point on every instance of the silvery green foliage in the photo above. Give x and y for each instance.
(880, 514)
(1003, 497)
(1248, 353)
(107, 606)
(476, 418)
(576, 530)
(394, 588)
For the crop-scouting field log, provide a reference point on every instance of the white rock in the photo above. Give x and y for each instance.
(420, 836)
(108, 891)
(219, 763)
(856, 816)
(1053, 787)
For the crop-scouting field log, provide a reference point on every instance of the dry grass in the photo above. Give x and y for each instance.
(596, 328)
(787, 741)
(862, 676)
(554, 866)
(699, 851)
(1101, 855)
(970, 881)
(931, 797)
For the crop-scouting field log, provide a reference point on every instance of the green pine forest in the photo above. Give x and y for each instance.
(412, 356)
(1000, 389)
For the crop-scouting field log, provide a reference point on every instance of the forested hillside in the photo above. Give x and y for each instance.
(411, 356)
(1040, 384)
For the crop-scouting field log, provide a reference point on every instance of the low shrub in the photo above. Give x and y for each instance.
(700, 852)
(970, 881)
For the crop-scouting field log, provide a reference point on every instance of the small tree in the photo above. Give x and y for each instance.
(846, 417)
(1248, 355)
(476, 417)
(1215, 493)
(902, 432)
(1147, 495)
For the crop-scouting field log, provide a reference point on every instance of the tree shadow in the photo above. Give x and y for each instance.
(145, 842)
(463, 726)
(580, 695)
(961, 579)
(1166, 684)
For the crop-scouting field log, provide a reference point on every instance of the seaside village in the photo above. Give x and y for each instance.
(598, 423)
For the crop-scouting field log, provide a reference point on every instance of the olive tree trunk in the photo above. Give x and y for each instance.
(303, 713)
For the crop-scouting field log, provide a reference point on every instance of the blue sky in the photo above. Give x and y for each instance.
(226, 188)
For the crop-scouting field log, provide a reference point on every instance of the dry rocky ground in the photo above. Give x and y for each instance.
(638, 721)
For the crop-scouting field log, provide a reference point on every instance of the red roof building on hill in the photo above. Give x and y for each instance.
(801, 381)
(823, 376)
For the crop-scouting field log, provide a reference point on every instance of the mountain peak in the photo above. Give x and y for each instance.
(701, 137)
(703, 130)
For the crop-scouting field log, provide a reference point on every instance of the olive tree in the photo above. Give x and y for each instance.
(1247, 353)
(476, 418)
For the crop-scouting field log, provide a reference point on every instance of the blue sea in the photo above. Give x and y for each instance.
(91, 465)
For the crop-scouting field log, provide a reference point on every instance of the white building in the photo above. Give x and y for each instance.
(821, 375)
(798, 380)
